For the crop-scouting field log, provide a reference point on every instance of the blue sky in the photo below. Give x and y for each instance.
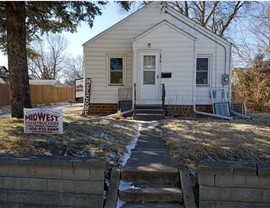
(110, 15)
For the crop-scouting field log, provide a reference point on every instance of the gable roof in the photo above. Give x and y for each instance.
(172, 26)
(3, 67)
(174, 13)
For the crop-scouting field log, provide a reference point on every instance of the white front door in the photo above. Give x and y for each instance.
(149, 78)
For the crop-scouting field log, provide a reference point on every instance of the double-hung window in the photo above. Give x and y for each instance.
(116, 70)
(202, 71)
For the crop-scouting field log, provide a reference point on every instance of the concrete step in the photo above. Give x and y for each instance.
(149, 194)
(152, 205)
(149, 111)
(147, 116)
(150, 166)
(148, 107)
(157, 177)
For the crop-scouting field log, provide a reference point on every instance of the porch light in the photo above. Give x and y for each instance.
(149, 45)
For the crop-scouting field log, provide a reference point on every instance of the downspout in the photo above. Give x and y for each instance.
(230, 74)
(194, 88)
(133, 78)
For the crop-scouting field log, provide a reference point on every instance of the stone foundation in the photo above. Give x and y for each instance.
(234, 184)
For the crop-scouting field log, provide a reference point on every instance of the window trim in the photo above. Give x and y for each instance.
(208, 71)
(123, 57)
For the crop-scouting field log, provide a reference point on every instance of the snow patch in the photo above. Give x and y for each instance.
(124, 186)
(130, 146)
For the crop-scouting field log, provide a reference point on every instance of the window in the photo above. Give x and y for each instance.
(116, 70)
(149, 67)
(202, 71)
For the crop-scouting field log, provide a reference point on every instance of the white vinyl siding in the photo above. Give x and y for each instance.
(177, 52)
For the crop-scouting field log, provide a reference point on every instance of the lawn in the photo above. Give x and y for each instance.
(192, 140)
(187, 140)
(83, 137)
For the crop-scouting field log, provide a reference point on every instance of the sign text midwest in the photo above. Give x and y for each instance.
(43, 121)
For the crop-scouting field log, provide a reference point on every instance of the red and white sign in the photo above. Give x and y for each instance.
(43, 121)
(79, 85)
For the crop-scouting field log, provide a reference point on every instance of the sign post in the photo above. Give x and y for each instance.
(87, 96)
(43, 121)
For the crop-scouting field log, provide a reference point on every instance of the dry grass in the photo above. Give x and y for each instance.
(192, 140)
(95, 136)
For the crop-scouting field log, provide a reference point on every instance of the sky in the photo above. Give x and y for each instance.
(110, 15)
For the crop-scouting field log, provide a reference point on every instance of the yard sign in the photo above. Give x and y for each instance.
(79, 88)
(43, 121)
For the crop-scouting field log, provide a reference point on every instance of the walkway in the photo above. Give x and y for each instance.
(155, 182)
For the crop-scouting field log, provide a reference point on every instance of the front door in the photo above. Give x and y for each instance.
(148, 78)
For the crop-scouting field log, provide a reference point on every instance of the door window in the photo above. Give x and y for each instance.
(149, 69)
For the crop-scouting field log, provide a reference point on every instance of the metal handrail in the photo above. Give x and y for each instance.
(163, 95)
(134, 91)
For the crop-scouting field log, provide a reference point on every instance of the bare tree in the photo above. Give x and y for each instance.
(74, 70)
(254, 35)
(213, 15)
(49, 58)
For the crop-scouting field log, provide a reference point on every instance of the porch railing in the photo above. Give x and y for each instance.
(163, 94)
(135, 96)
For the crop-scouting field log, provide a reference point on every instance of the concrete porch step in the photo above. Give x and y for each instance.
(148, 112)
(152, 205)
(148, 106)
(147, 116)
(152, 194)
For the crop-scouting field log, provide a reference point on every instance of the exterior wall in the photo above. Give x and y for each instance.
(177, 57)
(118, 41)
(234, 184)
(51, 182)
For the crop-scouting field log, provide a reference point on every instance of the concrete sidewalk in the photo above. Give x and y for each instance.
(156, 182)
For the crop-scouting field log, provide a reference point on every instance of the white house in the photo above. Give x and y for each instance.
(153, 50)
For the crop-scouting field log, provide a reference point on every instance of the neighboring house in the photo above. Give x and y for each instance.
(2, 81)
(4, 73)
(48, 82)
(153, 49)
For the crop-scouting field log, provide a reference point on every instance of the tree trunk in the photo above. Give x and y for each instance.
(17, 58)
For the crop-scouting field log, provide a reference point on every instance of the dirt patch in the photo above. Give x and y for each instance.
(192, 140)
